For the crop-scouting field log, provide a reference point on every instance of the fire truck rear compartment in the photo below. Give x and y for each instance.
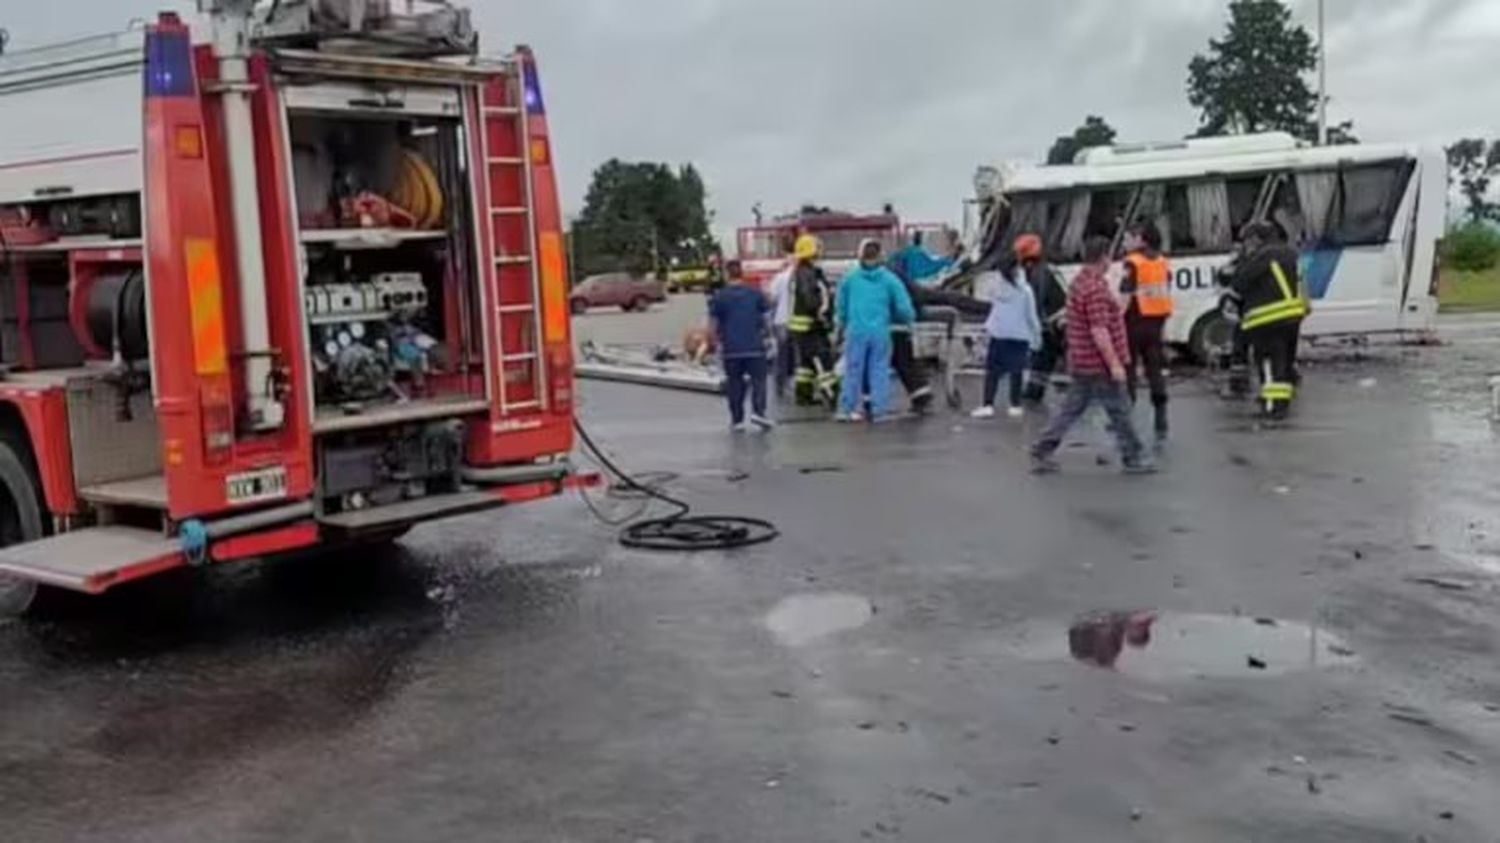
(391, 293)
(392, 301)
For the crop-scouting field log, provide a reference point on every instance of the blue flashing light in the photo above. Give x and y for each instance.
(533, 91)
(169, 65)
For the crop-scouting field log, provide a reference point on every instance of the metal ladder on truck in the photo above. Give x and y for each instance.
(507, 148)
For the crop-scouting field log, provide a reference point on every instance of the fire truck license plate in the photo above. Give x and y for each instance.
(268, 484)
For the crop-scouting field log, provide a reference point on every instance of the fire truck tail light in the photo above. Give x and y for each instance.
(554, 290)
(560, 376)
(218, 427)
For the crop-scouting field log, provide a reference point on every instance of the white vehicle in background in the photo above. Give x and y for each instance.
(1366, 218)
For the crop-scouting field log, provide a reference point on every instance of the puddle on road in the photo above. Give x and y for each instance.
(804, 618)
(1165, 647)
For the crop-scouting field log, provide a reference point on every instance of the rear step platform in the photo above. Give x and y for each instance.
(93, 559)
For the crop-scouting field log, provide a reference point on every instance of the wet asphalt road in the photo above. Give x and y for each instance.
(1301, 627)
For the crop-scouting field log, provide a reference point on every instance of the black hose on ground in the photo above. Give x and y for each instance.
(680, 531)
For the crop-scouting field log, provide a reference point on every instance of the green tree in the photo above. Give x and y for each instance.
(1254, 78)
(1095, 131)
(642, 217)
(1474, 163)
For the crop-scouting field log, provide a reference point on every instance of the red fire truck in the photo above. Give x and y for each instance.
(291, 279)
(764, 248)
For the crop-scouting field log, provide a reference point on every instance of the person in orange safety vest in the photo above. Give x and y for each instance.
(1148, 283)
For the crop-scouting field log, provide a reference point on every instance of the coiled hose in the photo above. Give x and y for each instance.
(680, 531)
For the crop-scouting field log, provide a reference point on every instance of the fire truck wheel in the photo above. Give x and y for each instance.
(20, 521)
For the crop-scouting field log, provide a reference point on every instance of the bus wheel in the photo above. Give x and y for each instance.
(1212, 338)
(20, 521)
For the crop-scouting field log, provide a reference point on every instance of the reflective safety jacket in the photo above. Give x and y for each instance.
(812, 301)
(1269, 285)
(1153, 285)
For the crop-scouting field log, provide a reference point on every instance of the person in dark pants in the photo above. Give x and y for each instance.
(904, 361)
(1014, 331)
(739, 313)
(811, 326)
(1148, 283)
(1097, 357)
(1051, 308)
(1269, 285)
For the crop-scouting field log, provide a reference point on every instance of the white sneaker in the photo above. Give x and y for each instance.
(1016, 412)
(763, 424)
(983, 413)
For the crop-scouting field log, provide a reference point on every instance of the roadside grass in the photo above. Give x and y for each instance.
(1469, 292)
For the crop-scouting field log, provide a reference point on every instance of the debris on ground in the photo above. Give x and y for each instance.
(1312, 784)
(1256, 664)
(738, 477)
(1368, 383)
(1461, 757)
(1446, 815)
(821, 469)
(1136, 814)
(1282, 490)
(1443, 583)
(1267, 622)
(1341, 651)
(932, 795)
(783, 695)
(1240, 460)
(1407, 714)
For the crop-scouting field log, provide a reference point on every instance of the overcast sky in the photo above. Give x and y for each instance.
(854, 103)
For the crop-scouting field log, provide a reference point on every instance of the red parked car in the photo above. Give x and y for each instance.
(617, 289)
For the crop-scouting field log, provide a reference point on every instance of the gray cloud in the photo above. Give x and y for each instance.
(858, 102)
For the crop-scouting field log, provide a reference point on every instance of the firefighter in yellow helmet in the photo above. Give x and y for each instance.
(811, 325)
(1272, 306)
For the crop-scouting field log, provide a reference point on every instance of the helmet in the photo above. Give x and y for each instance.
(807, 248)
(1028, 247)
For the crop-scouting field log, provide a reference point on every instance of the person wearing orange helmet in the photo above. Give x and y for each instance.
(1052, 310)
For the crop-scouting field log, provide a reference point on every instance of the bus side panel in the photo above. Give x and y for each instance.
(1420, 313)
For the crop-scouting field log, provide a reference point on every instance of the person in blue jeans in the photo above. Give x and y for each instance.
(739, 313)
(870, 300)
(1015, 333)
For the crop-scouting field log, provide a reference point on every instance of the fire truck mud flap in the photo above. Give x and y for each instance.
(94, 559)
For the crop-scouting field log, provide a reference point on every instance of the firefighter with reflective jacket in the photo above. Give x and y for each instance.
(811, 326)
(1148, 283)
(1272, 305)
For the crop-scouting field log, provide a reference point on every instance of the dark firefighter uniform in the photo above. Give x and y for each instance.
(811, 330)
(1272, 306)
(1052, 309)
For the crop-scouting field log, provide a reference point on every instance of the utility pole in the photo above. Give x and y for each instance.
(1322, 76)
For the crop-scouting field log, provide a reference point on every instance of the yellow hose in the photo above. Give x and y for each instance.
(418, 192)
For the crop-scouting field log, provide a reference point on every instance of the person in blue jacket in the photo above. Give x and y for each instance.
(870, 299)
(916, 264)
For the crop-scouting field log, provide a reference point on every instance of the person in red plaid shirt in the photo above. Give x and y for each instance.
(1097, 358)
